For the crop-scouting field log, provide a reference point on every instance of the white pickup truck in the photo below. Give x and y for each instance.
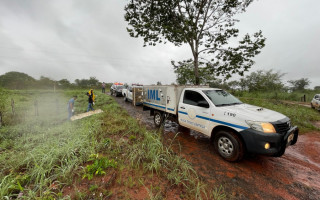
(128, 94)
(235, 128)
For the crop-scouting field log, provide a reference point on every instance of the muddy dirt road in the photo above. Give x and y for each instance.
(295, 175)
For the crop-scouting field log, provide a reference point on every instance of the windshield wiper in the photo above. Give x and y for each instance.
(224, 104)
(228, 104)
(235, 103)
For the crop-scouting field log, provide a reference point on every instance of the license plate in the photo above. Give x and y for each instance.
(290, 138)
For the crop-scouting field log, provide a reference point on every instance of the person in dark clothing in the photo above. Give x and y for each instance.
(90, 100)
(71, 106)
(103, 87)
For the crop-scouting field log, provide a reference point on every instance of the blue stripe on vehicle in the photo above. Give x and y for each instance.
(229, 124)
(183, 113)
(150, 104)
(217, 121)
(171, 109)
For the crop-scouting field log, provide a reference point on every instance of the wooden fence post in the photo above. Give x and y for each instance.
(12, 107)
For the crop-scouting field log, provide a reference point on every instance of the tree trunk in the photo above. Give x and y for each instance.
(196, 70)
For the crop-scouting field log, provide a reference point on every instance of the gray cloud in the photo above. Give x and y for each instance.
(78, 39)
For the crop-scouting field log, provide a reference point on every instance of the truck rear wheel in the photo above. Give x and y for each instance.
(312, 106)
(228, 145)
(158, 118)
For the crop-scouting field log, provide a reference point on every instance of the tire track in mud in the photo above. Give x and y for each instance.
(295, 175)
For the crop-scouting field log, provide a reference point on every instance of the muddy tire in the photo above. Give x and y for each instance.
(125, 98)
(228, 145)
(158, 118)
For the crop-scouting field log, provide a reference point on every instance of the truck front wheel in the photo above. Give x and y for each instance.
(125, 98)
(228, 145)
(158, 118)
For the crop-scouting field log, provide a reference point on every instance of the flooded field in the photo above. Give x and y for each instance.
(295, 175)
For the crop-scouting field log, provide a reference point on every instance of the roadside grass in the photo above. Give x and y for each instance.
(40, 150)
(142, 149)
(301, 116)
(42, 156)
(278, 95)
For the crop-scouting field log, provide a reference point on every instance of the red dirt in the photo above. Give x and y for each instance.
(114, 186)
(295, 175)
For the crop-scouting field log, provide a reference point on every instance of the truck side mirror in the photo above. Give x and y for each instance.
(203, 104)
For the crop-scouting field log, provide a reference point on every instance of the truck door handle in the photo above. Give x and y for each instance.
(182, 107)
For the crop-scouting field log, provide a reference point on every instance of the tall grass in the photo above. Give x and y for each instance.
(43, 149)
(147, 152)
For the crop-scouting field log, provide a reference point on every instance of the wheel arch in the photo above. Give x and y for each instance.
(216, 129)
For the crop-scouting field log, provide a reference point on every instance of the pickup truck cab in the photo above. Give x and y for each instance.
(234, 127)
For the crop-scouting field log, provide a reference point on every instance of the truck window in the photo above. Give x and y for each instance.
(221, 98)
(193, 98)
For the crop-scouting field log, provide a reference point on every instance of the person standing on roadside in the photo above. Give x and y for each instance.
(71, 106)
(103, 87)
(91, 98)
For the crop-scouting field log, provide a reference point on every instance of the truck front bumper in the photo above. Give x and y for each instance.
(256, 141)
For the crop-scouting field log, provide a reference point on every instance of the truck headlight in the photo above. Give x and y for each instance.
(265, 127)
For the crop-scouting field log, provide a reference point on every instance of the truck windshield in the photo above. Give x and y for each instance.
(120, 87)
(221, 98)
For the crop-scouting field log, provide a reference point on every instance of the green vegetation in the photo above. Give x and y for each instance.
(296, 96)
(45, 156)
(42, 150)
(21, 81)
(98, 166)
(206, 27)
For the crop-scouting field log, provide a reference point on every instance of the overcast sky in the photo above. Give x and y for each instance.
(83, 38)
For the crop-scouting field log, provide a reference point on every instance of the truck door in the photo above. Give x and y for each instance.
(194, 111)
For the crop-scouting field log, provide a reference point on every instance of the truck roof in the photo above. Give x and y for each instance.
(210, 88)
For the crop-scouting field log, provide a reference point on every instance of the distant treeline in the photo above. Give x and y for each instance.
(264, 81)
(22, 81)
(258, 81)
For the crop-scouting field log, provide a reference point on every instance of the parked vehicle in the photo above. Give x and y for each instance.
(116, 89)
(315, 102)
(128, 94)
(235, 128)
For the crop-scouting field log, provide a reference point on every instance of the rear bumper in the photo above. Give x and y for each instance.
(255, 141)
